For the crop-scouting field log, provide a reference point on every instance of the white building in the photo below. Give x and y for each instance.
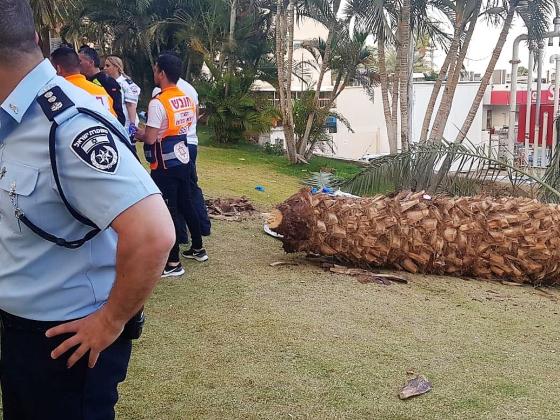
(366, 117)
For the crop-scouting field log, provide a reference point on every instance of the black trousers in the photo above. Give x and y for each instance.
(198, 197)
(34, 386)
(176, 191)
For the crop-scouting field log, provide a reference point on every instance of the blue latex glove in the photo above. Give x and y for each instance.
(132, 129)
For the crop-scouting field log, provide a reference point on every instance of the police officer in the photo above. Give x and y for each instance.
(67, 64)
(67, 290)
(192, 143)
(169, 116)
(89, 65)
(130, 92)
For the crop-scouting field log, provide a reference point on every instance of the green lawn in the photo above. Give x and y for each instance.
(227, 171)
(237, 338)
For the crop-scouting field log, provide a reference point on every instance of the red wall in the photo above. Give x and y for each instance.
(501, 97)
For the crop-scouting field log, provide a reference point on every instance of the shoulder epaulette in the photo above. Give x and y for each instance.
(54, 102)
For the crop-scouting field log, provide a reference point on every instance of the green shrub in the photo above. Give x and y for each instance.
(274, 149)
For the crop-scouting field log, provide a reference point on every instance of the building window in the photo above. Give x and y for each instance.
(330, 125)
(489, 119)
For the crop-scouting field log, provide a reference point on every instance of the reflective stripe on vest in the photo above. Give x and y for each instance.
(170, 152)
(181, 112)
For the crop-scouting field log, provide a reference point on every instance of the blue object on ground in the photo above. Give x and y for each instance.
(314, 190)
(259, 188)
(328, 190)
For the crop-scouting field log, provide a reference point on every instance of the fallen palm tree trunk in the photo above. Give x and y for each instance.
(516, 239)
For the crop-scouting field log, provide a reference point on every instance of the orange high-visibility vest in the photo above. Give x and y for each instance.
(180, 110)
(100, 94)
(181, 113)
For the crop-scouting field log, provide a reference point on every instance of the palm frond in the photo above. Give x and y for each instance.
(454, 169)
(552, 175)
(536, 15)
(320, 180)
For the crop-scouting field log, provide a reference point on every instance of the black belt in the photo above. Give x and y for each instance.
(132, 329)
(13, 322)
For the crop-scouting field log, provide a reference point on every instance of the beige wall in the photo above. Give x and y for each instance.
(500, 116)
(462, 101)
(367, 121)
(309, 29)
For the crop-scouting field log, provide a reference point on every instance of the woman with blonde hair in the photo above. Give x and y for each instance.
(130, 91)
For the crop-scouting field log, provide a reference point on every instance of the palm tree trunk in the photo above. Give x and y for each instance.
(395, 109)
(45, 41)
(148, 49)
(324, 64)
(404, 45)
(428, 235)
(391, 135)
(448, 62)
(487, 75)
(479, 94)
(189, 67)
(451, 86)
(285, 40)
(290, 22)
(395, 94)
(231, 42)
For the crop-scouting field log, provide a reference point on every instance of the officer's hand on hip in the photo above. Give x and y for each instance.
(93, 333)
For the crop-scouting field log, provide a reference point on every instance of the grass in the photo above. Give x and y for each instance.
(227, 171)
(254, 155)
(237, 338)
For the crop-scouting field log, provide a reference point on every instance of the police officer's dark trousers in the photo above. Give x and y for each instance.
(198, 197)
(34, 386)
(176, 191)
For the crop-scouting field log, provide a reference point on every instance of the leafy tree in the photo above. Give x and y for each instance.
(49, 16)
(522, 71)
(318, 136)
(347, 59)
(236, 115)
(384, 20)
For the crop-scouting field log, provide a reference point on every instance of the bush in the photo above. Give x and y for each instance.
(236, 115)
(273, 149)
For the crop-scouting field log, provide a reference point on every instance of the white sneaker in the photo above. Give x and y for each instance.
(173, 271)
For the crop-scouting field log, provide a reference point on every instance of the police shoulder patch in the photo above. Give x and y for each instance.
(54, 102)
(96, 148)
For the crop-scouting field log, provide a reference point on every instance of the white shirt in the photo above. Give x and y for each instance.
(191, 92)
(130, 94)
(157, 117)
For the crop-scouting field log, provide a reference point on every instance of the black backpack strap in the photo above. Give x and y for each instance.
(52, 238)
(54, 167)
(51, 108)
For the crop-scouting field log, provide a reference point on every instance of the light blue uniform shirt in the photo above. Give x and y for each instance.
(38, 279)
